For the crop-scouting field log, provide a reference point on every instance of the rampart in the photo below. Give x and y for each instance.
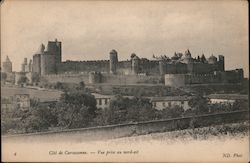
(87, 78)
(178, 80)
(83, 66)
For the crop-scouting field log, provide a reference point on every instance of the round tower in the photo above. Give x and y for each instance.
(135, 63)
(162, 67)
(212, 59)
(221, 63)
(48, 64)
(41, 49)
(7, 65)
(95, 77)
(113, 61)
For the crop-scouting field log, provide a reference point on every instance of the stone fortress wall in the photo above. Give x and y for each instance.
(48, 61)
(178, 80)
(180, 69)
(98, 78)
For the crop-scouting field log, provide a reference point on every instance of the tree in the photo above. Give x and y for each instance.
(75, 110)
(39, 118)
(117, 110)
(140, 109)
(240, 105)
(59, 85)
(124, 110)
(81, 85)
(199, 104)
(22, 80)
(172, 112)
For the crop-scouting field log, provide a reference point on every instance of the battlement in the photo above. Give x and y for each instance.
(48, 61)
(179, 80)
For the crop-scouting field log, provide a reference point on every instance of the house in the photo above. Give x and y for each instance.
(102, 101)
(160, 103)
(226, 98)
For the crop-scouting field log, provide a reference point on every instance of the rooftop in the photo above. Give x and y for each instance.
(228, 96)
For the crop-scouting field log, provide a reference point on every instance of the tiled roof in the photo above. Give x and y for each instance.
(97, 95)
(228, 96)
(171, 98)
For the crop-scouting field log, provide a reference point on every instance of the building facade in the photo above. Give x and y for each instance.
(161, 103)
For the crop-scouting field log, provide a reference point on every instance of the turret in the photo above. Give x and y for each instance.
(221, 63)
(41, 49)
(162, 67)
(30, 66)
(187, 58)
(212, 59)
(25, 66)
(135, 63)
(7, 65)
(113, 61)
(36, 65)
(203, 59)
(54, 48)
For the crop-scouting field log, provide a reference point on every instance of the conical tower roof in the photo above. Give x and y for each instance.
(41, 49)
(7, 59)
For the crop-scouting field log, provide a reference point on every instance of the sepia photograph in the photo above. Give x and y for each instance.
(124, 81)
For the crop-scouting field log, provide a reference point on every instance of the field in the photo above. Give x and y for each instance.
(43, 95)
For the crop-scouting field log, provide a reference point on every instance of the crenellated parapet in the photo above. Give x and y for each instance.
(48, 60)
(181, 64)
(7, 65)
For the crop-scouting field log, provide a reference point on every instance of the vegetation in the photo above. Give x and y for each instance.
(74, 110)
(77, 109)
(125, 110)
(172, 112)
(199, 104)
(143, 91)
(22, 80)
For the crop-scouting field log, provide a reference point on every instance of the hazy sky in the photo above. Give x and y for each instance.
(89, 30)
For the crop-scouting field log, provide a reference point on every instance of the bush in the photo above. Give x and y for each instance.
(125, 110)
(172, 112)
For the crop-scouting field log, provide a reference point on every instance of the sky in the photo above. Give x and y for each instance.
(89, 30)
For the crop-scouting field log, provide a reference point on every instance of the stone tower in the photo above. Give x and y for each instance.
(113, 61)
(54, 48)
(47, 59)
(7, 65)
(36, 65)
(221, 63)
(135, 63)
(25, 66)
(30, 65)
(212, 59)
(50, 58)
(162, 67)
